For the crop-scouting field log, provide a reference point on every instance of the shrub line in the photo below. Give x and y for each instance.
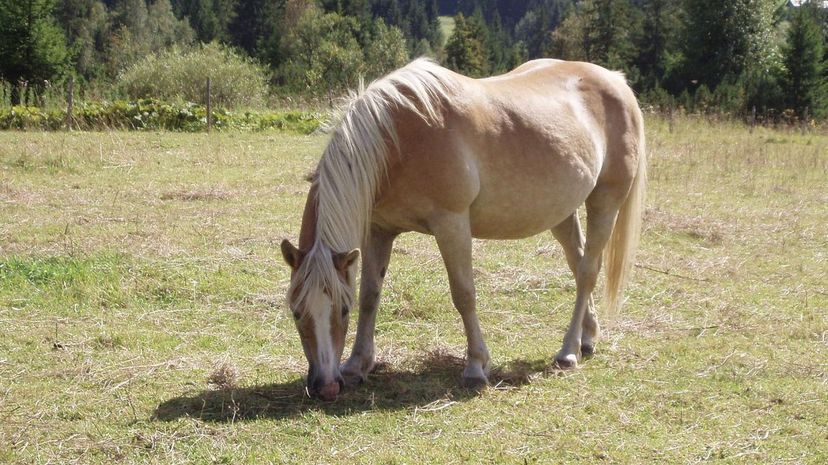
(152, 114)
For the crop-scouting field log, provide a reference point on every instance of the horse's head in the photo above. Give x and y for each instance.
(320, 297)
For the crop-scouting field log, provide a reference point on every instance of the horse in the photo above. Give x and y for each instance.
(428, 150)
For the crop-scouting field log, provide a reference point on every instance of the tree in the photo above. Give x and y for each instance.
(86, 25)
(723, 39)
(256, 23)
(598, 32)
(803, 82)
(607, 38)
(210, 19)
(139, 30)
(656, 44)
(32, 45)
(465, 49)
(386, 52)
(322, 54)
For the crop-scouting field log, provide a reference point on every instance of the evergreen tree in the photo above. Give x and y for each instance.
(465, 49)
(256, 23)
(607, 38)
(139, 29)
(804, 83)
(722, 39)
(32, 45)
(656, 44)
(85, 23)
(388, 10)
(322, 53)
(210, 19)
(386, 52)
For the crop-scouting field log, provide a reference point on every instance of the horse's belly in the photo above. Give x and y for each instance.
(525, 211)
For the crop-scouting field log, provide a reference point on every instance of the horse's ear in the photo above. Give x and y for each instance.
(291, 254)
(343, 261)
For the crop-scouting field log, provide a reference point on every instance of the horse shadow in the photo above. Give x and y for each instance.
(435, 379)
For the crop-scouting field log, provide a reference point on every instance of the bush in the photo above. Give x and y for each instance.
(150, 114)
(181, 75)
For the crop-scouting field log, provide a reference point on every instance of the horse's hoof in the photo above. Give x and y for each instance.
(353, 374)
(566, 362)
(474, 383)
(353, 379)
(587, 350)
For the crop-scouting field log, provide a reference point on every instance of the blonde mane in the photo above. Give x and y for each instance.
(355, 162)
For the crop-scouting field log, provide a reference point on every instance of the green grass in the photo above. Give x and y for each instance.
(142, 316)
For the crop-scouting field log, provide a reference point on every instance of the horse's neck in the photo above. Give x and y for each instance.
(307, 234)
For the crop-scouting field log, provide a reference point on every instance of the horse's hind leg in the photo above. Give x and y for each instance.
(602, 208)
(453, 234)
(569, 234)
(375, 257)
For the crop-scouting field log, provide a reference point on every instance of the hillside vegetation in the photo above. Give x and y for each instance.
(756, 58)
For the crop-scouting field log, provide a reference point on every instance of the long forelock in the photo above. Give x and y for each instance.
(317, 273)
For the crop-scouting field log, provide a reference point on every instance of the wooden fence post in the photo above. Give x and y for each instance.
(752, 118)
(70, 102)
(209, 105)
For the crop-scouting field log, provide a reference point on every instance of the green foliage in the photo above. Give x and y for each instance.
(210, 19)
(86, 25)
(608, 40)
(804, 78)
(657, 41)
(139, 29)
(177, 74)
(725, 39)
(32, 45)
(153, 115)
(328, 52)
(323, 47)
(466, 50)
(387, 50)
(322, 53)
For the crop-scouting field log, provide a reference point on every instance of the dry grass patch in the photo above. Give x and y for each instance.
(142, 329)
(203, 194)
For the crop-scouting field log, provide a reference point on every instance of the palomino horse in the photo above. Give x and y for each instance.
(425, 149)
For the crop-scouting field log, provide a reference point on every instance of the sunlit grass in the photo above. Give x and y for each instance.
(142, 319)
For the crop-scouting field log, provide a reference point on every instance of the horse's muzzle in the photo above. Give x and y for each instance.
(325, 390)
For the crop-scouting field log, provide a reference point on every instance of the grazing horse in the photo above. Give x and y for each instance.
(425, 149)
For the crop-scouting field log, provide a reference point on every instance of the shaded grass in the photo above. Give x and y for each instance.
(139, 267)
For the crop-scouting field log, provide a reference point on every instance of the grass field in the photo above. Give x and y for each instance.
(142, 316)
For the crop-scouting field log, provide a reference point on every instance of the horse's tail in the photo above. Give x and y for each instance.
(619, 253)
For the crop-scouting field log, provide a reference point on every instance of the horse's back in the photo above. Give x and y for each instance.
(521, 151)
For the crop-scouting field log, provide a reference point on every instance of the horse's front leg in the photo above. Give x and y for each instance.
(453, 234)
(376, 254)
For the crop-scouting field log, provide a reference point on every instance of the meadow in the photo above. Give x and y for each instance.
(142, 315)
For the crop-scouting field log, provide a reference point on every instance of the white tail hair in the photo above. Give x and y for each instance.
(355, 162)
(619, 253)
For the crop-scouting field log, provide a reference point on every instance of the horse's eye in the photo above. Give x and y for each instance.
(296, 316)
